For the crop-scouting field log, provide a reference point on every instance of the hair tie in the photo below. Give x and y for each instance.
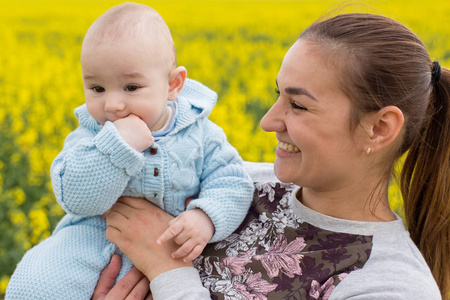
(435, 72)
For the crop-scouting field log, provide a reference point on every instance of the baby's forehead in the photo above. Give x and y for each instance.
(147, 28)
(133, 38)
(143, 49)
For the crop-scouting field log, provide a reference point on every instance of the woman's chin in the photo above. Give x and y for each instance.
(284, 171)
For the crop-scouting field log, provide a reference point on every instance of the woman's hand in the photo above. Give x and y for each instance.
(134, 285)
(134, 225)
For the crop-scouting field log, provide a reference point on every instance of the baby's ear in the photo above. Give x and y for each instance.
(177, 78)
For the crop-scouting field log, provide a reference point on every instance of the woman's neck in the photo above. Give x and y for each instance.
(350, 204)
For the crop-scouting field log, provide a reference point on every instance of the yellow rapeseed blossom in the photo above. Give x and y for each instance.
(4, 280)
(18, 195)
(1, 186)
(39, 223)
(234, 47)
(18, 218)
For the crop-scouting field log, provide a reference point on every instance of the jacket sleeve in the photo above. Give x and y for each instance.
(226, 190)
(92, 170)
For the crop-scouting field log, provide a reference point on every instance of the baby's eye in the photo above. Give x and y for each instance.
(98, 89)
(277, 91)
(131, 88)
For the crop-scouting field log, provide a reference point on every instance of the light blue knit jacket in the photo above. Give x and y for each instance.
(96, 167)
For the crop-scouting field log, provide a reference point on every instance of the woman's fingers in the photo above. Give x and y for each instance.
(133, 202)
(141, 290)
(131, 285)
(121, 208)
(112, 233)
(134, 285)
(125, 206)
(107, 278)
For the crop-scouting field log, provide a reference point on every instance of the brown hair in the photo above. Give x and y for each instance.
(381, 62)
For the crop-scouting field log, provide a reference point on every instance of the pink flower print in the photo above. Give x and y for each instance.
(283, 257)
(254, 287)
(235, 264)
(321, 292)
(342, 276)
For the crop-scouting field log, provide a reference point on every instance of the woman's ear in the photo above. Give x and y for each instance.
(383, 127)
(177, 78)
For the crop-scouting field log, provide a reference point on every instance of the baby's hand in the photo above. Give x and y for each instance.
(135, 132)
(192, 229)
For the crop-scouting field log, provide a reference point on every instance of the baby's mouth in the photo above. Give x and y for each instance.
(288, 147)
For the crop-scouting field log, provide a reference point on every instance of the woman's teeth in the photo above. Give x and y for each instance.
(288, 147)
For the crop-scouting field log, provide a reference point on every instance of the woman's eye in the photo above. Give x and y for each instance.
(98, 89)
(131, 88)
(296, 106)
(277, 91)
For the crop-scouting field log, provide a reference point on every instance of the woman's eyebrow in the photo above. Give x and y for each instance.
(297, 91)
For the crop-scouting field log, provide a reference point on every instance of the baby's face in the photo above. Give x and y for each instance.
(120, 79)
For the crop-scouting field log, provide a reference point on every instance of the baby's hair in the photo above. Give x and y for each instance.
(133, 20)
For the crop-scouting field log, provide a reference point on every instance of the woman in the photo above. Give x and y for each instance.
(355, 92)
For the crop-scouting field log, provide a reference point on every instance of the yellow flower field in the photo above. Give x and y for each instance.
(234, 47)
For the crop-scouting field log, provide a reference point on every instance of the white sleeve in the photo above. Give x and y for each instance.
(182, 283)
(260, 171)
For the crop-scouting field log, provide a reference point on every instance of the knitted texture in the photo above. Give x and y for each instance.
(96, 167)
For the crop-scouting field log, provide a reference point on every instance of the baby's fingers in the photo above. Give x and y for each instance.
(171, 232)
(184, 250)
(194, 253)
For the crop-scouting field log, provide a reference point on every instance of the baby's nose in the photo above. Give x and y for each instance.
(114, 103)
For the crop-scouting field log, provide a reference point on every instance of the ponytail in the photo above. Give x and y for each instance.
(425, 185)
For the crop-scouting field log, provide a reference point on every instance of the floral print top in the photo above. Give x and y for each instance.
(276, 255)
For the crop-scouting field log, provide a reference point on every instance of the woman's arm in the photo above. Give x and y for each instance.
(134, 225)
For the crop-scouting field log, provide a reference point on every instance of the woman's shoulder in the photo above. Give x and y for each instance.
(394, 272)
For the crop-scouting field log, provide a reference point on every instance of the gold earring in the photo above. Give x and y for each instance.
(369, 150)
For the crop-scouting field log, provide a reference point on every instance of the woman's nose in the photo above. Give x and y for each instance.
(273, 119)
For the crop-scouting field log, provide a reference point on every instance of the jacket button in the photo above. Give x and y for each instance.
(153, 151)
(155, 172)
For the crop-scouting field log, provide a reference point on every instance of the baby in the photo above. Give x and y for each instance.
(144, 132)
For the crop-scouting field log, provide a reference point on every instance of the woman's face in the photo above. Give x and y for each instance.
(311, 118)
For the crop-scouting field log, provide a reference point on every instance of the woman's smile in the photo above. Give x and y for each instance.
(288, 147)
